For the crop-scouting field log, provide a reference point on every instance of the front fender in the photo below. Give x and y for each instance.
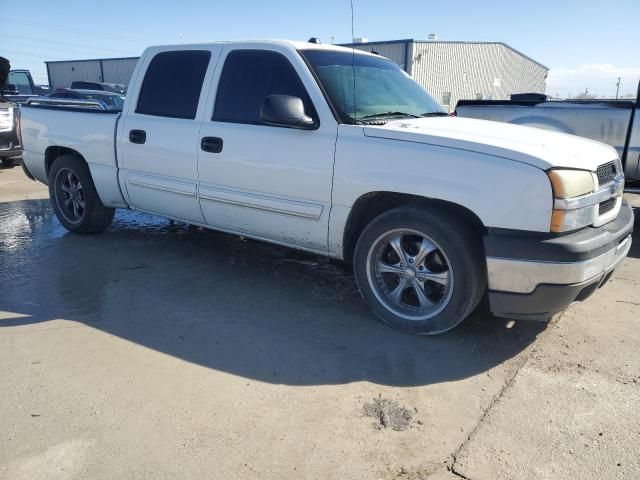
(503, 193)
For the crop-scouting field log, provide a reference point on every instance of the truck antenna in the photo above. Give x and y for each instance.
(353, 53)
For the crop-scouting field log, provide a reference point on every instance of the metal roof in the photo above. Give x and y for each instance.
(408, 40)
(93, 59)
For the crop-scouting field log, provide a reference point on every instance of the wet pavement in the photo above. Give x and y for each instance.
(281, 315)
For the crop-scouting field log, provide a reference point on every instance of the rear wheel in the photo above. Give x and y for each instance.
(420, 271)
(74, 198)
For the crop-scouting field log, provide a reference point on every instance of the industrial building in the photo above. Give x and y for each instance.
(102, 70)
(452, 71)
(449, 70)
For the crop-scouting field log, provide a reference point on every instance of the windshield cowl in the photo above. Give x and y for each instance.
(386, 117)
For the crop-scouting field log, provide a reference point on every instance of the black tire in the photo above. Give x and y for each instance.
(457, 258)
(93, 217)
(8, 162)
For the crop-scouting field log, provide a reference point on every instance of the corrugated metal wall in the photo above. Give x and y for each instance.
(118, 70)
(394, 51)
(110, 70)
(61, 74)
(472, 70)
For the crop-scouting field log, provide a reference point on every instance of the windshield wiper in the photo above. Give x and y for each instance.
(389, 114)
(435, 114)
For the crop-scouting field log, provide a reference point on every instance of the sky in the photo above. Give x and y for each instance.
(586, 44)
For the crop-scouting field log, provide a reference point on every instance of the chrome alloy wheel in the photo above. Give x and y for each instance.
(69, 195)
(409, 274)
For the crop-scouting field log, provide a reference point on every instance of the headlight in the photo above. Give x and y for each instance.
(571, 183)
(567, 185)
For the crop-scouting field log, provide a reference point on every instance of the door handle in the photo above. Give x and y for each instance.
(137, 136)
(211, 144)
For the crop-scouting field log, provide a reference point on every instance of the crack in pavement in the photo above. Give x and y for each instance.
(519, 363)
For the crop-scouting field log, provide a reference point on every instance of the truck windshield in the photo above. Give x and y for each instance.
(380, 91)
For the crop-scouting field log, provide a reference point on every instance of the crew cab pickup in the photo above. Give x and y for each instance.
(341, 153)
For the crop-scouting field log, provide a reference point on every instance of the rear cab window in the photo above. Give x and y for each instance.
(172, 84)
(248, 77)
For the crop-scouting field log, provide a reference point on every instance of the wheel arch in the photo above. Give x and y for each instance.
(55, 151)
(105, 178)
(371, 204)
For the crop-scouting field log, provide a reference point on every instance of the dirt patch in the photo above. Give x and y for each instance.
(388, 414)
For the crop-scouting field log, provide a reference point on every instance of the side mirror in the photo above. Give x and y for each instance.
(10, 89)
(286, 111)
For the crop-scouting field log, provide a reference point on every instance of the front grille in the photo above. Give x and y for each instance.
(606, 173)
(6, 120)
(606, 206)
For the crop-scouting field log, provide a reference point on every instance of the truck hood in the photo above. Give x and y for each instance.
(541, 148)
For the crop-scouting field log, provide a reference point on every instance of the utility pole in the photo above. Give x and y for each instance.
(617, 88)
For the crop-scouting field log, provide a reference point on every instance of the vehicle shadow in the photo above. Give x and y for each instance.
(635, 239)
(231, 304)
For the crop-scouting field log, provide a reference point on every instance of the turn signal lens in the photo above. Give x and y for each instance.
(557, 220)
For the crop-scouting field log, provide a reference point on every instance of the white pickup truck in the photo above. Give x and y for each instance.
(341, 153)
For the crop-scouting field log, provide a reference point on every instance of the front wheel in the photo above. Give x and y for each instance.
(419, 270)
(74, 197)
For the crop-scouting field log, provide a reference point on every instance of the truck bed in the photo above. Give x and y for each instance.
(90, 132)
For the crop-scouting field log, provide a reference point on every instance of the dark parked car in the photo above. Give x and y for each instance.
(103, 87)
(113, 101)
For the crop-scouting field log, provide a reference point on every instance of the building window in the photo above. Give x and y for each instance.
(478, 96)
(446, 98)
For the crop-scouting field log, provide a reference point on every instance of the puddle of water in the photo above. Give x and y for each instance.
(28, 228)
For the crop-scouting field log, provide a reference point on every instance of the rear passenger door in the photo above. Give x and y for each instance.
(269, 182)
(158, 135)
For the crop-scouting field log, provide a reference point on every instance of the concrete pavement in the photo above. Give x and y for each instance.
(159, 351)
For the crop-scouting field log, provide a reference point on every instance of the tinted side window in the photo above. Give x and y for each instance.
(248, 77)
(172, 84)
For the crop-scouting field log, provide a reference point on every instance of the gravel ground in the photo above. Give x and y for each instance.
(159, 351)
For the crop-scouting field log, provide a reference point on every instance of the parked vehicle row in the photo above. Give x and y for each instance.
(275, 141)
(111, 101)
(97, 86)
(615, 122)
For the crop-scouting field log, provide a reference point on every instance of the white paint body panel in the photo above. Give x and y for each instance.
(298, 187)
(540, 148)
(502, 193)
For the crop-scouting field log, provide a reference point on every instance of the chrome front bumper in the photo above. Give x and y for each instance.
(523, 276)
(533, 276)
